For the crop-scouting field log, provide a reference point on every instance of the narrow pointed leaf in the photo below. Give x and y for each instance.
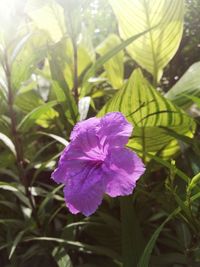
(8, 142)
(115, 66)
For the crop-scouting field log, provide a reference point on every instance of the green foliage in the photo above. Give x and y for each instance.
(149, 112)
(115, 66)
(61, 62)
(189, 84)
(155, 50)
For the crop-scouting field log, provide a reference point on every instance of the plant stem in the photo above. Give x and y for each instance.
(75, 89)
(75, 56)
(16, 138)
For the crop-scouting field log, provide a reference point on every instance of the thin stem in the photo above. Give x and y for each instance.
(17, 140)
(75, 56)
(75, 89)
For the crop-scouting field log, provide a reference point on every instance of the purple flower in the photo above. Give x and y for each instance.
(97, 162)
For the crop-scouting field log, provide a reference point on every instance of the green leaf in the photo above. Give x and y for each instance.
(49, 16)
(154, 50)
(36, 114)
(46, 118)
(145, 258)
(132, 237)
(195, 180)
(115, 66)
(8, 186)
(194, 99)
(80, 246)
(60, 86)
(28, 101)
(16, 242)
(19, 46)
(8, 142)
(49, 196)
(61, 257)
(25, 59)
(56, 137)
(103, 59)
(168, 165)
(149, 111)
(189, 84)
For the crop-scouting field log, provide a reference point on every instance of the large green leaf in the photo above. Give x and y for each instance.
(115, 66)
(149, 111)
(154, 50)
(189, 84)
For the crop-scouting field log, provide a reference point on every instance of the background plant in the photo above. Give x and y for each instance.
(64, 61)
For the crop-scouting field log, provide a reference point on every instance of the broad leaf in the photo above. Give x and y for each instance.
(154, 50)
(148, 111)
(189, 84)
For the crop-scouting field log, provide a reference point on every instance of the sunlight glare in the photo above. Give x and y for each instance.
(8, 9)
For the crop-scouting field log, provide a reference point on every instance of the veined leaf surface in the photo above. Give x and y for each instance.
(154, 50)
(149, 111)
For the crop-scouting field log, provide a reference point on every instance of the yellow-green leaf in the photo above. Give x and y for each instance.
(149, 111)
(155, 49)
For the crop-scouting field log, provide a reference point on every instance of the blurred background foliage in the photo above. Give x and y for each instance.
(67, 60)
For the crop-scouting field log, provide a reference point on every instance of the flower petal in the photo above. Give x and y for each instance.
(114, 129)
(84, 126)
(84, 192)
(60, 173)
(122, 169)
(83, 150)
